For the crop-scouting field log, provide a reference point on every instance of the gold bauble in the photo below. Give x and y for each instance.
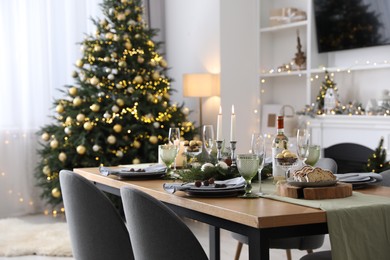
(156, 75)
(119, 154)
(103, 22)
(115, 109)
(80, 117)
(60, 108)
(114, 55)
(137, 36)
(45, 136)
(79, 63)
(72, 91)
(163, 63)
(111, 139)
(109, 36)
(107, 59)
(130, 90)
(123, 1)
(54, 144)
(153, 139)
(75, 74)
(88, 126)
(150, 43)
(56, 193)
(128, 45)
(153, 63)
(68, 130)
(122, 63)
(46, 170)
(96, 148)
(116, 37)
(138, 79)
(81, 149)
(136, 161)
(117, 128)
(120, 102)
(121, 17)
(68, 120)
(136, 144)
(94, 80)
(77, 101)
(62, 157)
(95, 107)
(140, 59)
(97, 48)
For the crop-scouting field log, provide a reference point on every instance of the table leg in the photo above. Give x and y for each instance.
(214, 241)
(258, 246)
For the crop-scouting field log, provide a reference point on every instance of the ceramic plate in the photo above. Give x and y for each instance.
(312, 184)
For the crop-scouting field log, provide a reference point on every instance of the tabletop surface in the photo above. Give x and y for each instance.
(258, 213)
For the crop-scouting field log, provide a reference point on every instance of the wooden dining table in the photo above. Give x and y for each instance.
(260, 219)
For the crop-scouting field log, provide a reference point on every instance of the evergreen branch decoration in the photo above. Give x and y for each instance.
(377, 162)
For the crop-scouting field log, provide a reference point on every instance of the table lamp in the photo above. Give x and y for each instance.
(201, 85)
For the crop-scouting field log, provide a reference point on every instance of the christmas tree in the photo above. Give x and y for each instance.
(377, 162)
(328, 83)
(118, 111)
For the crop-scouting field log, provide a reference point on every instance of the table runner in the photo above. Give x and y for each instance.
(359, 226)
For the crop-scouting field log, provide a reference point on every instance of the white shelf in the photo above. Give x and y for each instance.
(353, 68)
(284, 27)
(300, 73)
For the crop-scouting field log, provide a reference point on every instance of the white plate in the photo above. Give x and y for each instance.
(312, 184)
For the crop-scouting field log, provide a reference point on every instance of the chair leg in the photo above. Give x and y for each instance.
(309, 251)
(288, 253)
(238, 251)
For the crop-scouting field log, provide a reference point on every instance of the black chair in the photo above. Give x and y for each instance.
(156, 232)
(96, 229)
(349, 157)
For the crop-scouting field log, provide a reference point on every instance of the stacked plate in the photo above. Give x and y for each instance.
(359, 180)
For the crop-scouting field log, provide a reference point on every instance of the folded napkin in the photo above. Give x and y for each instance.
(231, 183)
(361, 176)
(149, 169)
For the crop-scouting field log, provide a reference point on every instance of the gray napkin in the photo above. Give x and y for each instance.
(231, 183)
(361, 176)
(152, 168)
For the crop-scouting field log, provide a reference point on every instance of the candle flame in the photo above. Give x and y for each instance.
(220, 110)
(232, 109)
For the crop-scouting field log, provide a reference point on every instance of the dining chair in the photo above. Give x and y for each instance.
(97, 231)
(385, 178)
(156, 232)
(308, 243)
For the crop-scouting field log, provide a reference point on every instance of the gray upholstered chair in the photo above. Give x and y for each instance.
(386, 178)
(308, 243)
(156, 232)
(96, 229)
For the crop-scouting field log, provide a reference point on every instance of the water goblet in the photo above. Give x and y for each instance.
(303, 140)
(168, 153)
(248, 165)
(314, 155)
(208, 138)
(258, 148)
(193, 149)
(174, 138)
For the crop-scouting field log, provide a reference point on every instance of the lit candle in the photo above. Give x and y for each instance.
(219, 125)
(233, 125)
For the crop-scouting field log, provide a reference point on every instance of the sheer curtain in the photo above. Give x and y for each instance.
(37, 52)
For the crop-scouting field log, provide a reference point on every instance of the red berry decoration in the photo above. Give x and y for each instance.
(206, 183)
(198, 184)
(211, 180)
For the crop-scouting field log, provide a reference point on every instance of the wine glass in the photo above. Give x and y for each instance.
(258, 148)
(208, 138)
(248, 165)
(314, 155)
(174, 138)
(193, 149)
(168, 153)
(303, 140)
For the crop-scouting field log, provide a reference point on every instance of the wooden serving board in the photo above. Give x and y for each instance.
(340, 190)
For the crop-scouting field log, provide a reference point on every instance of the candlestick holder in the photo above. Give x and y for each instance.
(233, 153)
(219, 149)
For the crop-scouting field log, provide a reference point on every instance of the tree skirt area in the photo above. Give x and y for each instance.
(18, 237)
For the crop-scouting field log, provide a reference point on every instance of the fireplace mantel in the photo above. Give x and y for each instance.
(328, 130)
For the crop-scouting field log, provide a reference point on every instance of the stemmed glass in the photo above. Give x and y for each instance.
(193, 149)
(314, 155)
(174, 138)
(248, 165)
(303, 140)
(258, 148)
(168, 153)
(208, 138)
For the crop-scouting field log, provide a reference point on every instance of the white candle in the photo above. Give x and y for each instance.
(233, 125)
(219, 125)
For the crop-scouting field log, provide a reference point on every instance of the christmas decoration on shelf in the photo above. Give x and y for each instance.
(119, 109)
(300, 57)
(377, 162)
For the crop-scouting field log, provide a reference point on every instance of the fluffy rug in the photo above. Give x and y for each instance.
(18, 237)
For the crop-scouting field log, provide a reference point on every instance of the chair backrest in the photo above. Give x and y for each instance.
(328, 164)
(386, 178)
(96, 229)
(156, 232)
(349, 157)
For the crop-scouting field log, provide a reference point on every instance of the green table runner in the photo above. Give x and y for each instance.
(359, 226)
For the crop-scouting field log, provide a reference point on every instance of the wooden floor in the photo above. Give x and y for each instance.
(228, 244)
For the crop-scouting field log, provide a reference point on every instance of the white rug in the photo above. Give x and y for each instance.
(18, 237)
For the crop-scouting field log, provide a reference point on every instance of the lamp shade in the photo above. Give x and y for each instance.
(201, 85)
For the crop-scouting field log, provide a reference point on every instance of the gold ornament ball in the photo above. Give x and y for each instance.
(96, 148)
(54, 144)
(116, 37)
(81, 149)
(137, 36)
(56, 193)
(95, 107)
(115, 109)
(117, 128)
(68, 130)
(68, 120)
(60, 108)
(120, 102)
(122, 63)
(62, 157)
(136, 161)
(150, 43)
(138, 79)
(94, 81)
(107, 59)
(88, 126)
(75, 74)
(121, 17)
(46, 170)
(72, 91)
(119, 154)
(128, 45)
(77, 101)
(103, 22)
(140, 59)
(45, 136)
(97, 48)
(153, 63)
(123, 1)
(114, 55)
(126, 36)
(109, 36)
(79, 63)
(130, 90)
(111, 139)
(156, 75)
(163, 63)
(153, 139)
(80, 117)
(136, 144)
